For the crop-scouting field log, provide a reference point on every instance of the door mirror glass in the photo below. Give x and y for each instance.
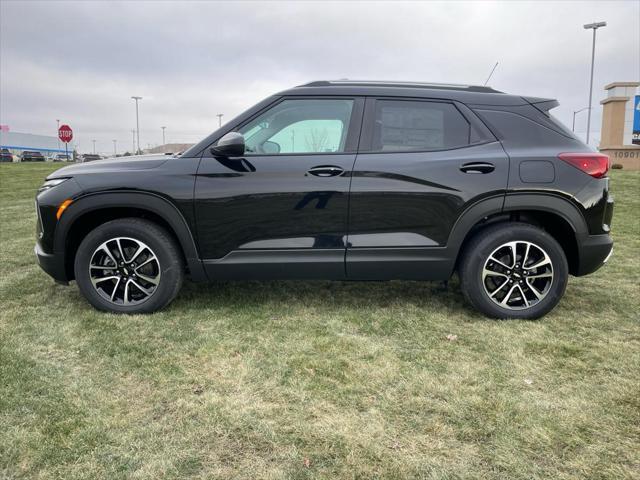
(230, 145)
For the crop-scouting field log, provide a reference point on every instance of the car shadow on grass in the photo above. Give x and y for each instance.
(326, 296)
(342, 296)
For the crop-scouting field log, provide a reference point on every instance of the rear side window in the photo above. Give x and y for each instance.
(401, 125)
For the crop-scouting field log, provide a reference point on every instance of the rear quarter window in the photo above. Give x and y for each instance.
(560, 126)
(517, 130)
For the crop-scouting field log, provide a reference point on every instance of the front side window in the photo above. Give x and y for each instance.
(401, 125)
(300, 126)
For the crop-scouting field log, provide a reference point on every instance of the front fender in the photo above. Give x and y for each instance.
(132, 199)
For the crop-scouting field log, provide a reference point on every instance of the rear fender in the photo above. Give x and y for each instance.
(472, 216)
(548, 202)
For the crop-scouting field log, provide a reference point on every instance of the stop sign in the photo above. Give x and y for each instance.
(65, 134)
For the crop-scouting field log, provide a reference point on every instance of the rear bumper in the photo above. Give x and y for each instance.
(594, 252)
(51, 264)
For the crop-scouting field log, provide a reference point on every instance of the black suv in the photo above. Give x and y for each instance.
(343, 180)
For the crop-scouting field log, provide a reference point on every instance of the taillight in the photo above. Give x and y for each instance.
(594, 164)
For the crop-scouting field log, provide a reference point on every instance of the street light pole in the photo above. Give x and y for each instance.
(573, 125)
(137, 121)
(593, 26)
(133, 141)
(220, 115)
(115, 150)
(163, 142)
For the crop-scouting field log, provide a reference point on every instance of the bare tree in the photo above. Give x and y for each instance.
(317, 140)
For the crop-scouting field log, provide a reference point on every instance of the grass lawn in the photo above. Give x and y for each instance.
(316, 379)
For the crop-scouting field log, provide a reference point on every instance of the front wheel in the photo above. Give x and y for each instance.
(129, 265)
(513, 270)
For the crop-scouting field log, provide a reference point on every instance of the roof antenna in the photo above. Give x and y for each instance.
(489, 77)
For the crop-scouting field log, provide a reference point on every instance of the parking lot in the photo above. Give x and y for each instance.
(316, 379)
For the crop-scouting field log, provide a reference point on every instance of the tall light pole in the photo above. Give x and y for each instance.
(137, 121)
(133, 141)
(220, 115)
(94, 146)
(163, 143)
(115, 150)
(593, 26)
(58, 120)
(575, 112)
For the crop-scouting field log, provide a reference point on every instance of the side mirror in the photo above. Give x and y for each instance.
(230, 145)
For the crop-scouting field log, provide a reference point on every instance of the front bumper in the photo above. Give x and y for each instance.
(52, 264)
(594, 252)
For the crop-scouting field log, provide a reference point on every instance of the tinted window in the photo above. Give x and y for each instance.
(413, 126)
(562, 127)
(519, 131)
(300, 126)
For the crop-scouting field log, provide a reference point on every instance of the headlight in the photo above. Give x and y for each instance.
(51, 183)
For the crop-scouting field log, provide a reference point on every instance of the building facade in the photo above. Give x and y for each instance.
(169, 148)
(17, 143)
(620, 137)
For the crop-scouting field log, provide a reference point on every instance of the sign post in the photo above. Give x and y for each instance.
(65, 134)
(635, 136)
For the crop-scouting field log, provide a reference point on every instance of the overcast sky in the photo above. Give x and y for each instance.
(82, 61)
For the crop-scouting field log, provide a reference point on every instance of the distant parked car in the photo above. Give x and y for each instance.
(90, 157)
(5, 155)
(61, 157)
(27, 156)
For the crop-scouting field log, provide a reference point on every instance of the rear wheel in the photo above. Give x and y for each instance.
(129, 266)
(513, 270)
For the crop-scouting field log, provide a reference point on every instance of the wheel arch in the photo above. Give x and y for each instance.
(553, 213)
(90, 211)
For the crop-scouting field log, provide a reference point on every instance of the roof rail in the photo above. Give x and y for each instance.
(377, 83)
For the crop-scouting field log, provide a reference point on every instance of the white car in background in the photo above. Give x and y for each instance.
(90, 157)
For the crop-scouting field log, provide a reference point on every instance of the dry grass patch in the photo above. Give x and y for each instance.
(304, 380)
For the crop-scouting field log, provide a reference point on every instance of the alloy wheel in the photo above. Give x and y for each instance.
(124, 271)
(517, 275)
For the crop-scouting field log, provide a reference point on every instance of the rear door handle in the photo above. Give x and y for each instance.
(477, 167)
(326, 171)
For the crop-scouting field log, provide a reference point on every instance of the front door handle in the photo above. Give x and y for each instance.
(326, 171)
(477, 167)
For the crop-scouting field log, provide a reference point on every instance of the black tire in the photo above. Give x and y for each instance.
(159, 243)
(477, 288)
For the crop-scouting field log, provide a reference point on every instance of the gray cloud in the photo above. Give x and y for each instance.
(81, 61)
